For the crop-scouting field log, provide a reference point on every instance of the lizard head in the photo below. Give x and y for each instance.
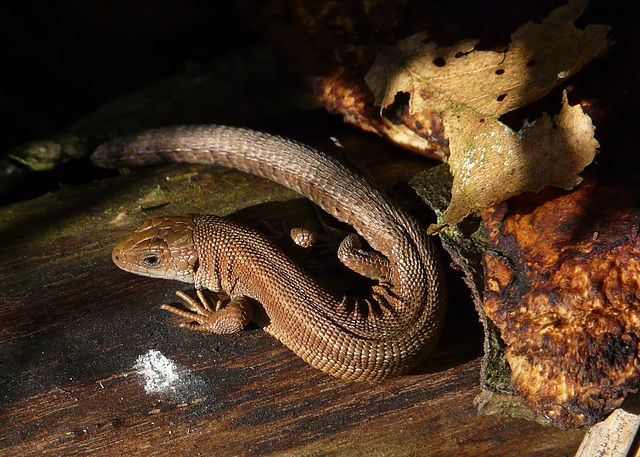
(162, 247)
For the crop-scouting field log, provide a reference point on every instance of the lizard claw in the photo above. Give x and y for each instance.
(229, 317)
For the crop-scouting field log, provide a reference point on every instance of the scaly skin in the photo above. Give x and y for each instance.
(364, 340)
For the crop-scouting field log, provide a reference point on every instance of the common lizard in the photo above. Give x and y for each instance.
(359, 339)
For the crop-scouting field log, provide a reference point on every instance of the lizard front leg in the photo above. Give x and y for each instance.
(370, 264)
(223, 319)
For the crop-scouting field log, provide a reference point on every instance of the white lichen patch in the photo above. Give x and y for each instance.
(163, 376)
(158, 372)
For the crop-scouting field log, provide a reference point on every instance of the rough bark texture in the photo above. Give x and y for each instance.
(562, 285)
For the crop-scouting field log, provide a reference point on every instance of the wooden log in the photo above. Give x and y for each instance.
(78, 338)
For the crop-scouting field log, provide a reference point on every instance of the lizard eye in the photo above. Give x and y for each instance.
(151, 260)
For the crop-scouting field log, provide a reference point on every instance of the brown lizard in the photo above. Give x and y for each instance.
(364, 339)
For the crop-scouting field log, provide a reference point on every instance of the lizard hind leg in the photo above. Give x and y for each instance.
(224, 318)
(370, 264)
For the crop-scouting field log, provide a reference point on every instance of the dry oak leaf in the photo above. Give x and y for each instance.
(469, 89)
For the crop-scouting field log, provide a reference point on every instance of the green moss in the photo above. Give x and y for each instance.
(467, 242)
(104, 210)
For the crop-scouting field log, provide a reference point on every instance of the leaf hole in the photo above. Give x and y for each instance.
(458, 54)
(500, 71)
(501, 97)
(395, 111)
(531, 63)
(439, 62)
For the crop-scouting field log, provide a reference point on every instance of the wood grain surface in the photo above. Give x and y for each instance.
(74, 331)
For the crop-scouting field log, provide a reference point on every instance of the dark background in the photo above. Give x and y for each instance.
(62, 60)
